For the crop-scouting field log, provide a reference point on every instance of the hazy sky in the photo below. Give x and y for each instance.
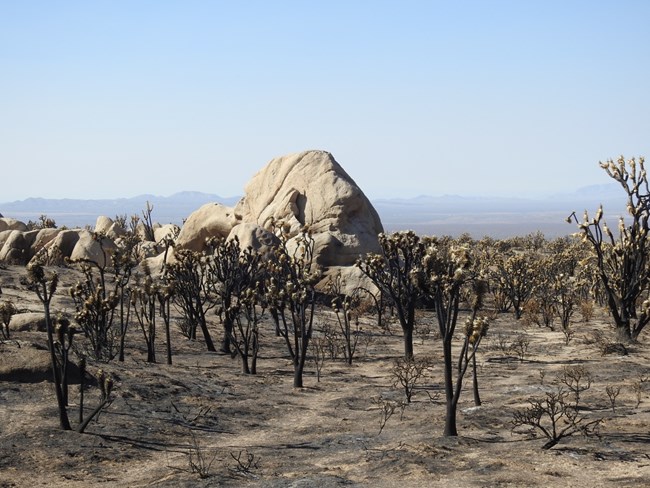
(117, 98)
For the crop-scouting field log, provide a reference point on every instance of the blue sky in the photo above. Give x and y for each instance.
(512, 98)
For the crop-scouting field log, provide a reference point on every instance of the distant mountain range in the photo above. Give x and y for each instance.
(498, 217)
(78, 213)
(440, 215)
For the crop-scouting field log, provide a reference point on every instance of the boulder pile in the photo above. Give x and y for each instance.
(307, 190)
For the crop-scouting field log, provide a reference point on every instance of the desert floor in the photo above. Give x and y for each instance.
(327, 433)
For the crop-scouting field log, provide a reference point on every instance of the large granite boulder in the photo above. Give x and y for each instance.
(61, 247)
(211, 220)
(146, 249)
(109, 228)
(4, 235)
(161, 232)
(7, 223)
(255, 237)
(103, 223)
(311, 189)
(348, 279)
(15, 249)
(43, 237)
(94, 249)
(157, 263)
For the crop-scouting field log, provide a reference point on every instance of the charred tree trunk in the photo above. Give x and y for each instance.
(450, 417)
(477, 397)
(64, 421)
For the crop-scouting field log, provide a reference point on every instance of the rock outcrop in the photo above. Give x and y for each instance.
(61, 246)
(103, 223)
(15, 249)
(349, 278)
(164, 231)
(307, 190)
(311, 189)
(211, 220)
(255, 237)
(43, 237)
(88, 248)
(7, 223)
(108, 227)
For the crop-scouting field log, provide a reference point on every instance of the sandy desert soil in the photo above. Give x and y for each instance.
(326, 434)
